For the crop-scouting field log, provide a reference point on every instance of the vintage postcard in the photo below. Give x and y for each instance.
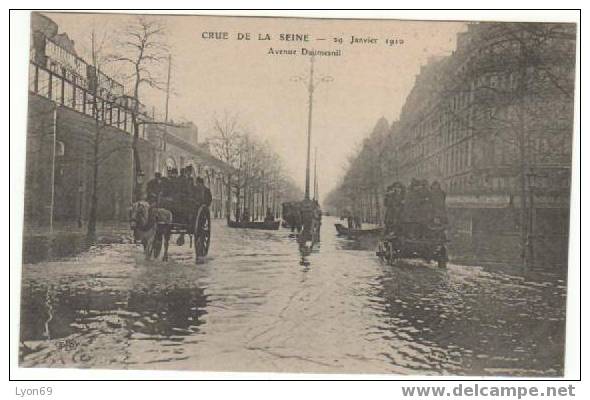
(302, 195)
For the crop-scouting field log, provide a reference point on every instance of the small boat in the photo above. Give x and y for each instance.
(265, 225)
(354, 233)
(341, 229)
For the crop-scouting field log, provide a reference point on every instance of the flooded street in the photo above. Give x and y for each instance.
(256, 305)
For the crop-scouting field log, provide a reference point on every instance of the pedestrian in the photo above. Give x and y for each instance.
(169, 195)
(349, 218)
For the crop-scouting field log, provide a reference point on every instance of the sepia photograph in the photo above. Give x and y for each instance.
(297, 194)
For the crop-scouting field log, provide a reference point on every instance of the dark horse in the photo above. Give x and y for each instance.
(150, 226)
(292, 215)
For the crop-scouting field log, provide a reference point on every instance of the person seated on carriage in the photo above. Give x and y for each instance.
(189, 175)
(155, 188)
(394, 203)
(417, 209)
(168, 195)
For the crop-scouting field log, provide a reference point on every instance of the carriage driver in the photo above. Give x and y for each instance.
(394, 202)
(155, 187)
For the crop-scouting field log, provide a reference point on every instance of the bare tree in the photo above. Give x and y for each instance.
(102, 146)
(142, 48)
(225, 145)
(257, 177)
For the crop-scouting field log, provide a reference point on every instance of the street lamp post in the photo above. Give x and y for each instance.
(309, 118)
(311, 86)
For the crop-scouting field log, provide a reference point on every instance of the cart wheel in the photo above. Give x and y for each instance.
(202, 232)
(442, 258)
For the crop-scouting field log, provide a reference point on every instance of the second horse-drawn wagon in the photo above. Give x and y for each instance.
(415, 224)
(415, 240)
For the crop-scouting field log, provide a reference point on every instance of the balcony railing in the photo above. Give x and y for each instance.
(75, 96)
(61, 76)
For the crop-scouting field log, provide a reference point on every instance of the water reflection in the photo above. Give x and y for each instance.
(263, 301)
(64, 322)
(470, 320)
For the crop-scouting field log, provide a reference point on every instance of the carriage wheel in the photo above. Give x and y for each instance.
(202, 232)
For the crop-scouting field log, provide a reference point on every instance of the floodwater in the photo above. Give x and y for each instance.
(259, 304)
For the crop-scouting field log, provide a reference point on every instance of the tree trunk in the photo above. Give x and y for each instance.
(523, 162)
(228, 201)
(91, 229)
(135, 142)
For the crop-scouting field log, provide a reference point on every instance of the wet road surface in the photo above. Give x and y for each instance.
(257, 305)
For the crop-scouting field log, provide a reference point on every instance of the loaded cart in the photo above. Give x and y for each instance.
(415, 240)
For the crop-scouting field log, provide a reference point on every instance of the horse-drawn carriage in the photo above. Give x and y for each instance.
(153, 226)
(415, 240)
(415, 223)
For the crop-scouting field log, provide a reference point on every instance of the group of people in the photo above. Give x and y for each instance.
(416, 209)
(182, 193)
(245, 216)
(353, 219)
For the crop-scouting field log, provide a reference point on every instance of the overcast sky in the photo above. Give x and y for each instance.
(210, 76)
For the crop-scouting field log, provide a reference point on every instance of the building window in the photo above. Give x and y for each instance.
(108, 113)
(56, 87)
(43, 83)
(89, 104)
(116, 118)
(68, 94)
(170, 163)
(77, 98)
